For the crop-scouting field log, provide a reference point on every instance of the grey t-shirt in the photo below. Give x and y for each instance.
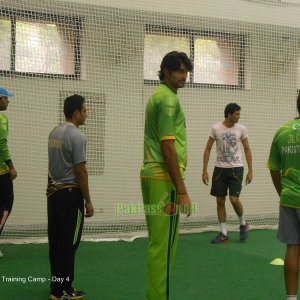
(66, 148)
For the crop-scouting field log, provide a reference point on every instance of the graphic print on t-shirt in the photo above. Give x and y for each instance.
(229, 148)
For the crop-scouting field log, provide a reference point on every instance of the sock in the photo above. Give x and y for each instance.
(223, 228)
(242, 220)
(291, 297)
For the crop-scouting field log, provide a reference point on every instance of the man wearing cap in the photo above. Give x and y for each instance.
(7, 170)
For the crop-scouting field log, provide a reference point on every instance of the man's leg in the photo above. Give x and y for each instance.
(221, 211)
(163, 236)
(65, 220)
(238, 208)
(291, 269)
(3, 218)
(237, 205)
(219, 190)
(235, 179)
(289, 233)
(6, 200)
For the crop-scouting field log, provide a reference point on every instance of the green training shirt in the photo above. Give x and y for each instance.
(285, 157)
(164, 120)
(4, 152)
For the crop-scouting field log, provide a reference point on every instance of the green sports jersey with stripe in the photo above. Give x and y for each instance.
(164, 120)
(285, 157)
(4, 152)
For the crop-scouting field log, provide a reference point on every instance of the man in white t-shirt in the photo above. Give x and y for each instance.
(229, 168)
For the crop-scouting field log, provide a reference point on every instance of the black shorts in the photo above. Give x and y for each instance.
(6, 193)
(227, 178)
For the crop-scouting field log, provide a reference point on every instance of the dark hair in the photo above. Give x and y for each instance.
(172, 62)
(231, 108)
(72, 103)
(298, 102)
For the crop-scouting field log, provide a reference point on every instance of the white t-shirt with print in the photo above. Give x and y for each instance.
(228, 143)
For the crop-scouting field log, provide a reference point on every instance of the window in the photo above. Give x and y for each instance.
(156, 46)
(40, 44)
(218, 58)
(5, 44)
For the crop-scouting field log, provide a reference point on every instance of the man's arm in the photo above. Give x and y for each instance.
(82, 178)
(276, 178)
(12, 170)
(206, 155)
(171, 162)
(5, 155)
(248, 155)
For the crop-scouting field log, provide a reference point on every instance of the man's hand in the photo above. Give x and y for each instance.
(89, 209)
(13, 173)
(205, 178)
(185, 204)
(249, 178)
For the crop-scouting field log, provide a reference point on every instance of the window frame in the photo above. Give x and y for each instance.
(13, 14)
(192, 35)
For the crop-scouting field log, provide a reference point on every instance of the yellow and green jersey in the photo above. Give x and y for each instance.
(164, 120)
(4, 152)
(285, 157)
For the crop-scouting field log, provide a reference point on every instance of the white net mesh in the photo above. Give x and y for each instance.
(243, 51)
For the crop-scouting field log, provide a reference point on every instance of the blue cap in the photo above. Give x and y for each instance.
(4, 92)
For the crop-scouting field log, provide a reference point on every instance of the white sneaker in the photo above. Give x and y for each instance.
(1, 254)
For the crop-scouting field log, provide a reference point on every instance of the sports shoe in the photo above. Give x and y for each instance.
(244, 232)
(53, 297)
(1, 254)
(75, 295)
(220, 238)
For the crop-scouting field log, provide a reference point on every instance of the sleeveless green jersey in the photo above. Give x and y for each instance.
(164, 119)
(285, 157)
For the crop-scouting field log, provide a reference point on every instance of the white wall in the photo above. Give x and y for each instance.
(238, 10)
(112, 45)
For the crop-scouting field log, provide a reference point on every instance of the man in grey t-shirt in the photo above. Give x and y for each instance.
(67, 193)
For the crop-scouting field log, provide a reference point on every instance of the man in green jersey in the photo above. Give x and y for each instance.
(7, 170)
(284, 165)
(162, 173)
